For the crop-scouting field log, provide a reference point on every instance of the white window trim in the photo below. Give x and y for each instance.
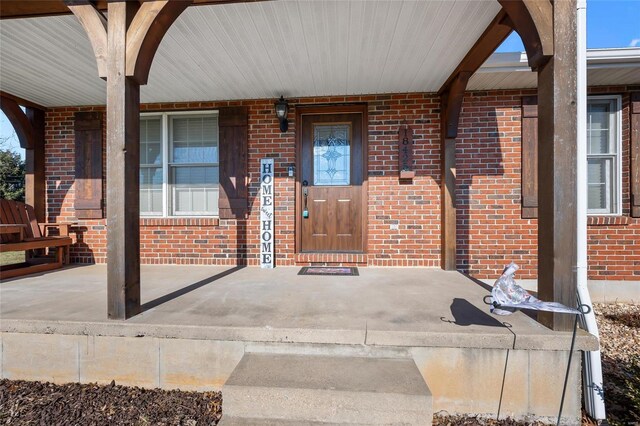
(166, 192)
(618, 176)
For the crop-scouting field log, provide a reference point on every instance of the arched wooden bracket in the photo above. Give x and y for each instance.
(144, 34)
(20, 122)
(29, 127)
(533, 21)
(451, 102)
(95, 25)
(452, 91)
(492, 37)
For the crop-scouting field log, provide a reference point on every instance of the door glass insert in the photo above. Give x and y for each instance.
(331, 154)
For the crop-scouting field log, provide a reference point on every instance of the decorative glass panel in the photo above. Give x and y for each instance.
(331, 154)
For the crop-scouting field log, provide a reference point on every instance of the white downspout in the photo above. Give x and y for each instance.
(592, 366)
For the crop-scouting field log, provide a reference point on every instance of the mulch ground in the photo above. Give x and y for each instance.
(476, 421)
(34, 403)
(619, 328)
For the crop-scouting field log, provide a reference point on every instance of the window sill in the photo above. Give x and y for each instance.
(179, 221)
(608, 220)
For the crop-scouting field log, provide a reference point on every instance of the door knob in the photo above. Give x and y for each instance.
(305, 194)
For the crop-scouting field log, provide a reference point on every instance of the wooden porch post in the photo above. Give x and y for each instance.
(123, 181)
(557, 129)
(34, 179)
(448, 228)
(548, 31)
(124, 47)
(450, 108)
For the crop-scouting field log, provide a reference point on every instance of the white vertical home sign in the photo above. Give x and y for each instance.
(266, 213)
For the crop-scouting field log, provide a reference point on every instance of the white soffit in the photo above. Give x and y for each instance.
(257, 50)
(291, 48)
(605, 67)
(49, 61)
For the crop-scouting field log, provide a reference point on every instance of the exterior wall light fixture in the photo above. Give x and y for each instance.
(282, 109)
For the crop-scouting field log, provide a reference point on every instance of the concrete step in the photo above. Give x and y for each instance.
(326, 389)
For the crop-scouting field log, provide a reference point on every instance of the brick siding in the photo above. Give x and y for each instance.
(491, 231)
(403, 216)
(411, 206)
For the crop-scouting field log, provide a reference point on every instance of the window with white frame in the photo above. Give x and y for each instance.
(179, 164)
(603, 155)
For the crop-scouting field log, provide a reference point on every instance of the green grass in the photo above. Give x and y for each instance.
(11, 257)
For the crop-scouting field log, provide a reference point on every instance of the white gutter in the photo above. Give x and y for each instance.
(627, 55)
(593, 390)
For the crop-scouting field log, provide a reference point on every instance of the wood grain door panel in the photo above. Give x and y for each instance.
(335, 219)
(318, 205)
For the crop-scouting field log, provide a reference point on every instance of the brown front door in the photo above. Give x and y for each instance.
(332, 205)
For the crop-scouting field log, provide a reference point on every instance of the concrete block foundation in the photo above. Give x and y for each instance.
(481, 381)
(501, 382)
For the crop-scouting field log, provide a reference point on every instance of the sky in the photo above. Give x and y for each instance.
(610, 23)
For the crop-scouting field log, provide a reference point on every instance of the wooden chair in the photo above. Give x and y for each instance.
(20, 231)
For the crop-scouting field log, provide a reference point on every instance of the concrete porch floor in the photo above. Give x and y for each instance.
(382, 307)
(199, 322)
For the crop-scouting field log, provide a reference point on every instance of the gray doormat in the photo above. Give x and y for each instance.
(328, 270)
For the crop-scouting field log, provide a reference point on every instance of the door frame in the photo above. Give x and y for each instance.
(355, 108)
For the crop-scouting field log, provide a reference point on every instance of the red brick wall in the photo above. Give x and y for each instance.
(413, 206)
(491, 231)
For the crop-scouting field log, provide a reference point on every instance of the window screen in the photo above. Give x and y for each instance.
(603, 156)
(179, 173)
(193, 169)
(151, 166)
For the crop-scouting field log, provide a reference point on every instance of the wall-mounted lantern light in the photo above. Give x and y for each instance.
(282, 109)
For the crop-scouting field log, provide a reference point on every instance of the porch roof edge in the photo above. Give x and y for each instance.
(517, 61)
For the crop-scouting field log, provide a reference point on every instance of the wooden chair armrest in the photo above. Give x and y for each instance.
(63, 226)
(11, 230)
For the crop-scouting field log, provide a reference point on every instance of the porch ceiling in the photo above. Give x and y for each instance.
(257, 50)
